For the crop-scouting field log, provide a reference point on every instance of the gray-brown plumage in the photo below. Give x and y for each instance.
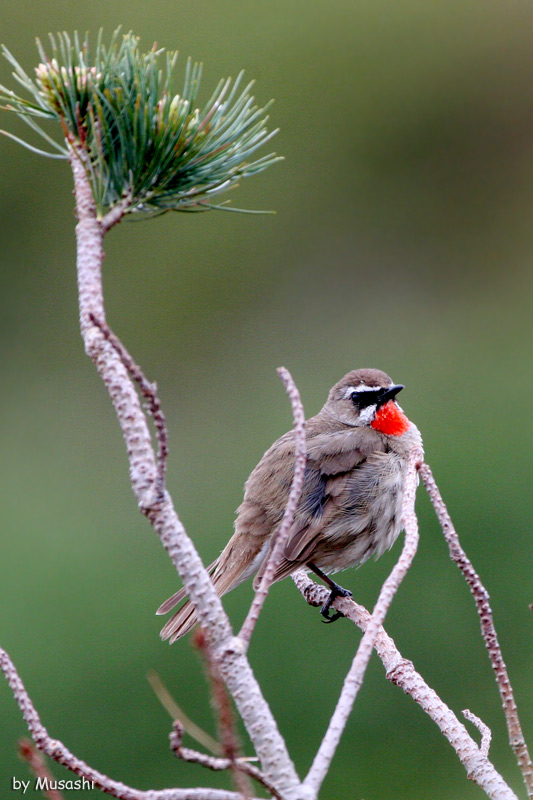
(350, 506)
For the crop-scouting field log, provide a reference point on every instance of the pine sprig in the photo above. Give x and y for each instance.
(143, 147)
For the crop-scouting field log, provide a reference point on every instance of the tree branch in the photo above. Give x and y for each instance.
(402, 673)
(354, 678)
(224, 712)
(300, 459)
(228, 650)
(149, 391)
(485, 731)
(216, 763)
(58, 752)
(29, 753)
(481, 597)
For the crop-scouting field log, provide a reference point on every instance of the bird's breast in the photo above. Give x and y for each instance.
(369, 519)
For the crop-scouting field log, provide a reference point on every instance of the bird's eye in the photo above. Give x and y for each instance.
(355, 398)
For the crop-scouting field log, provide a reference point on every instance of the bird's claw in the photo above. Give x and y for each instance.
(338, 591)
(327, 619)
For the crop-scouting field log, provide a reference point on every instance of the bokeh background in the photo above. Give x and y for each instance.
(402, 240)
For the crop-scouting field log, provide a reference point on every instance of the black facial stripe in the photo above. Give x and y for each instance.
(364, 399)
(377, 397)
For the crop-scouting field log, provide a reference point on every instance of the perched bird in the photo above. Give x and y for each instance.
(350, 507)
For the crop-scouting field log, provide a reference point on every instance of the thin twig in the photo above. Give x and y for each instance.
(60, 753)
(481, 597)
(116, 213)
(354, 678)
(224, 713)
(485, 731)
(177, 714)
(29, 753)
(402, 673)
(149, 392)
(214, 763)
(300, 459)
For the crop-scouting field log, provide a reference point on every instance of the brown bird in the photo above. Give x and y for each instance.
(350, 507)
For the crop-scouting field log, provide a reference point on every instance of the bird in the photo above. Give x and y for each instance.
(350, 507)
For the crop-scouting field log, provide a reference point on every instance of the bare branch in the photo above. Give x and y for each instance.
(58, 752)
(300, 458)
(214, 763)
(227, 649)
(224, 712)
(116, 213)
(402, 673)
(355, 676)
(29, 753)
(481, 597)
(485, 731)
(149, 391)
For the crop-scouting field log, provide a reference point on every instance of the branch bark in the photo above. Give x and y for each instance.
(225, 717)
(402, 673)
(60, 753)
(228, 650)
(354, 678)
(300, 459)
(149, 391)
(485, 731)
(217, 763)
(482, 600)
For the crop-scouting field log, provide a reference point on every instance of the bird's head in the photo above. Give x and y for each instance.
(366, 398)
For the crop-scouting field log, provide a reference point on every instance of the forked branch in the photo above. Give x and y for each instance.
(225, 718)
(485, 731)
(481, 597)
(402, 673)
(149, 391)
(217, 763)
(60, 753)
(354, 678)
(108, 358)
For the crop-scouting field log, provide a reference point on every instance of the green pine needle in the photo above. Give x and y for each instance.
(143, 146)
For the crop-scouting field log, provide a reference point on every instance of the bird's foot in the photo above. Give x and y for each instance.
(336, 591)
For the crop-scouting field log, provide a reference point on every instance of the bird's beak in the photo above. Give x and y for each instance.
(389, 394)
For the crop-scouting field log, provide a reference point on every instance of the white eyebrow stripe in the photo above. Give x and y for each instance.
(362, 388)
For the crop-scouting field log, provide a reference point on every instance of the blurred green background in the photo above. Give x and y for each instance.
(402, 240)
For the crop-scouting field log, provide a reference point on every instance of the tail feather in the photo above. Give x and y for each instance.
(172, 602)
(227, 572)
(186, 617)
(180, 623)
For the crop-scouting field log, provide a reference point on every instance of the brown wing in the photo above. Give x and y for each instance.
(328, 497)
(329, 485)
(308, 527)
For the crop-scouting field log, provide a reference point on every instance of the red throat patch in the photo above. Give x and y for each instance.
(390, 420)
